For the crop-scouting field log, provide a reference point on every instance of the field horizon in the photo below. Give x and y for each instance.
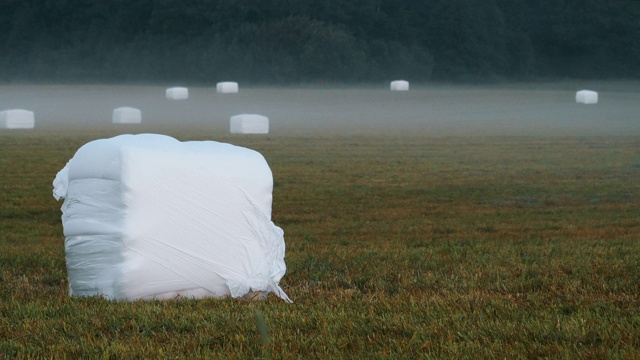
(512, 109)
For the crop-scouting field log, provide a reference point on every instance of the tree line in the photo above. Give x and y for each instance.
(300, 41)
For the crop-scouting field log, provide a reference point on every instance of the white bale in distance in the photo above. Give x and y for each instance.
(177, 93)
(227, 87)
(586, 97)
(127, 115)
(17, 119)
(149, 217)
(399, 85)
(249, 124)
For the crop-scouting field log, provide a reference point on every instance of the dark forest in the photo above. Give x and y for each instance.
(318, 41)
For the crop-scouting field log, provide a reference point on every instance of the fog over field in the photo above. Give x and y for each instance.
(536, 110)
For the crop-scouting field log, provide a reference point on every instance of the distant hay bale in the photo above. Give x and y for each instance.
(249, 124)
(127, 115)
(227, 87)
(17, 119)
(177, 93)
(399, 85)
(586, 97)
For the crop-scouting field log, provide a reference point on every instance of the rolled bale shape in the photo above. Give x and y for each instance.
(177, 93)
(586, 97)
(249, 124)
(17, 119)
(227, 87)
(399, 85)
(127, 115)
(149, 217)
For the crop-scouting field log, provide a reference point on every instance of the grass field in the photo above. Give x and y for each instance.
(399, 245)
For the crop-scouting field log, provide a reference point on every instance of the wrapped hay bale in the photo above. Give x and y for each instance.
(400, 85)
(17, 119)
(149, 217)
(586, 97)
(127, 115)
(249, 124)
(227, 87)
(177, 93)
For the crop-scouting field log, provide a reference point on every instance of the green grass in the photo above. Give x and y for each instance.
(398, 246)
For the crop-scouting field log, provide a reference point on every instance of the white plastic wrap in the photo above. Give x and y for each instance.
(149, 217)
(249, 124)
(586, 97)
(126, 115)
(177, 93)
(17, 119)
(399, 85)
(227, 87)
